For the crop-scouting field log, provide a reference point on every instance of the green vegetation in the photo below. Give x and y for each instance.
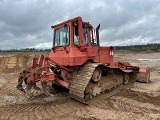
(27, 50)
(149, 47)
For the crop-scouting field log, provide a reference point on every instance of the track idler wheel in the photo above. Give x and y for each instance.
(88, 92)
(93, 88)
(97, 75)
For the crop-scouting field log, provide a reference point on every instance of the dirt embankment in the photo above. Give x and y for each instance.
(13, 63)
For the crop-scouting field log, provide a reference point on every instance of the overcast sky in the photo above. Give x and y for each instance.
(26, 23)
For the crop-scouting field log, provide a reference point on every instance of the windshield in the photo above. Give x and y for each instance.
(61, 36)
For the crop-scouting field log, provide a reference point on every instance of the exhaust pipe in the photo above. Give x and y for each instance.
(97, 34)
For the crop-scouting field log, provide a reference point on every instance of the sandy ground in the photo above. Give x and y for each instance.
(142, 102)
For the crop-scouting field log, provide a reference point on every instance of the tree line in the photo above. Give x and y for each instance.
(149, 46)
(26, 50)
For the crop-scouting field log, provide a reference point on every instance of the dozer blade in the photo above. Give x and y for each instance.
(143, 75)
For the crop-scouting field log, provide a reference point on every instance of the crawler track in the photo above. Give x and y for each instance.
(81, 81)
(109, 82)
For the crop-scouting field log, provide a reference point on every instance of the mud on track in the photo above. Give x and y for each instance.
(140, 102)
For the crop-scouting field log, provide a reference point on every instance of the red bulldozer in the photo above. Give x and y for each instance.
(78, 63)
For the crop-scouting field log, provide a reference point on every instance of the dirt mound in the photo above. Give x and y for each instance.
(14, 63)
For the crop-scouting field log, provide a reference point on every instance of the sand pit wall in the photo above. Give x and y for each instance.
(14, 63)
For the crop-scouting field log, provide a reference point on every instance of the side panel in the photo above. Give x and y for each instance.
(68, 56)
(72, 56)
(105, 55)
(60, 55)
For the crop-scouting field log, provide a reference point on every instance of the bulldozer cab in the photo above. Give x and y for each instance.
(76, 41)
(74, 32)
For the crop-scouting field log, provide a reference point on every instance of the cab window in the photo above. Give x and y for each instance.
(76, 36)
(61, 36)
(85, 36)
